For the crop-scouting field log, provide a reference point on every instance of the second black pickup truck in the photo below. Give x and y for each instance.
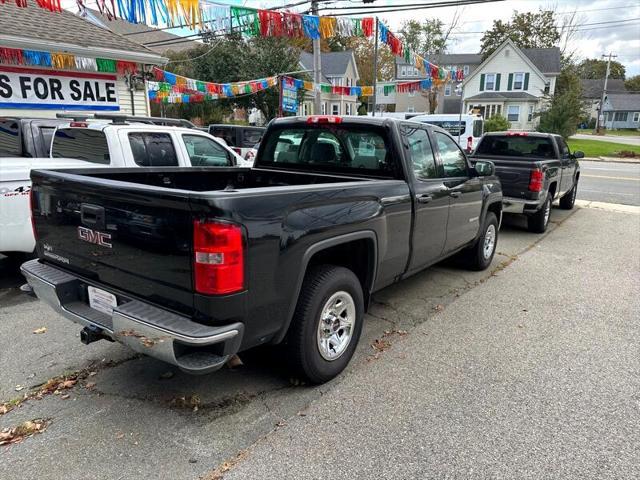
(193, 265)
(535, 169)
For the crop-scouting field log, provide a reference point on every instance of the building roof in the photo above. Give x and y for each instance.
(547, 60)
(34, 27)
(333, 64)
(142, 34)
(625, 102)
(449, 59)
(592, 88)
(503, 96)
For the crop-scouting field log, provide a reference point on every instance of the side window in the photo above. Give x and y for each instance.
(422, 159)
(564, 149)
(250, 137)
(453, 160)
(477, 128)
(153, 149)
(10, 139)
(204, 152)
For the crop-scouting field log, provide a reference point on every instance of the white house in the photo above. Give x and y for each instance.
(340, 70)
(513, 82)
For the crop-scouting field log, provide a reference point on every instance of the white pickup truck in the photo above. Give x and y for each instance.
(101, 143)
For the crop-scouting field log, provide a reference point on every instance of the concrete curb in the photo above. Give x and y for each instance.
(610, 207)
(611, 159)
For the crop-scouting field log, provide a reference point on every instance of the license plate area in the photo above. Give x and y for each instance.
(101, 300)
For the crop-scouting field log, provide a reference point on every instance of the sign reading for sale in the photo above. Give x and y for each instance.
(52, 89)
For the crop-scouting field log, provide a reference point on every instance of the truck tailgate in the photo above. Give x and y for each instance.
(133, 239)
(514, 175)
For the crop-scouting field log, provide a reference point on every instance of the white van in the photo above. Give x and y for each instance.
(468, 134)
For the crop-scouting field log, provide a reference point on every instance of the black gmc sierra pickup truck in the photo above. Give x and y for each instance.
(534, 170)
(193, 265)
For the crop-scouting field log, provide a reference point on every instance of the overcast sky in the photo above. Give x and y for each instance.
(617, 35)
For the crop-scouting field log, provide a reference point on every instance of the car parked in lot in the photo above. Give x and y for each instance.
(240, 138)
(119, 142)
(26, 137)
(535, 169)
(192, 266)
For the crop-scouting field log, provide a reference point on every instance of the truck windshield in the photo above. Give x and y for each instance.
(335, 149)
(81, 143)
(516, 146)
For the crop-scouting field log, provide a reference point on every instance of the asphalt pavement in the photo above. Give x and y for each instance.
(135, 417)
(635, 140)
(610, 182)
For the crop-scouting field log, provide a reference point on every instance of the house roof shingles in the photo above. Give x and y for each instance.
(61, 27)
(143, 34)
(592, 88)
(332, 63)
(547, 60)
(625, 102)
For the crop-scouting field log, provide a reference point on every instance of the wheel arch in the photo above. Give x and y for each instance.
(346, 251)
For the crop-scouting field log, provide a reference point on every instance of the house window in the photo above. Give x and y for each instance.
(547, 87)
(636, 117)
(447, 90)
(530, 114)
(621, 117)
(490, 81)
(347, 109)
(324, 108)
(518, 81)
(403, 71)
(335, 109)
(465, 70)
(513, 113)
(410, 109)
(336, 81)
(415, 72)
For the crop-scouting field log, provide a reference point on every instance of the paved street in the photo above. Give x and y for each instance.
(609, 138)
(526, 370)
(610, 182)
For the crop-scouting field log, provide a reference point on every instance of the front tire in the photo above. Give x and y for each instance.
(480, 256)
(569, 200)
(327, 323)
(539, 221)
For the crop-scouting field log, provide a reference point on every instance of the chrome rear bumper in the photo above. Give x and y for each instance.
(193, 347)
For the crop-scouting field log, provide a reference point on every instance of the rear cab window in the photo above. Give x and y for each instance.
(82, 143)
(524, 146)
(250, 137)
(10, 142)
(342, 149)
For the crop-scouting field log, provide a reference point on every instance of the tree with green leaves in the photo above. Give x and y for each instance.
(235, 59)
(496, 123)
(425, 38)
(526, 30)
(633, 84)
(565, 108)
(594, 68)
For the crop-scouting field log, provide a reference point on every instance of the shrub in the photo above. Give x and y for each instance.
(497, 123)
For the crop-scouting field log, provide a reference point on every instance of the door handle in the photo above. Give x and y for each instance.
(424, 198)
(455, 194)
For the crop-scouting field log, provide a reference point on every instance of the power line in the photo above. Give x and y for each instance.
(405, 7)
(578, 29)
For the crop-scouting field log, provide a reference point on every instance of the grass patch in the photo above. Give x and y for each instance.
(597, 148)
(629, 132)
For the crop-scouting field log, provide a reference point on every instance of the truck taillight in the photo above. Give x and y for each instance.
(324, 119)
(536, 181)
(469, 144)
(218, 261)
(33, 220)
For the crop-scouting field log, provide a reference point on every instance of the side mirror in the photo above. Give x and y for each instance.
(485, 169)
(578, 154)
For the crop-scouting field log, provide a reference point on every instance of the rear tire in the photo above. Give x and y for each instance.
(480, 256)
(538, 222)
(569, 200)
(327, 323)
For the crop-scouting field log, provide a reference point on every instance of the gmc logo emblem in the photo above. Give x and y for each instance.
(91, 236)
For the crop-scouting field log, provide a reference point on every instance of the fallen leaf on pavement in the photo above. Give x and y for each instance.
(439, 307)
(65, 396)
(119, 435)
(20, 432)
(67, 384)
(234, 362)
(90, 385)
(40, 330)
(19, 387)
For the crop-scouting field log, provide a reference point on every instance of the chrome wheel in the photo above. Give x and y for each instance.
(336, 325)
(489, 241)
(547, 211)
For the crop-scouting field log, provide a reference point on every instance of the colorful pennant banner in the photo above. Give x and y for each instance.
(64, 61)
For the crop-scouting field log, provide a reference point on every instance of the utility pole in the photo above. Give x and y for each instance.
(604, 91)
(375, 71)
(317, 67)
